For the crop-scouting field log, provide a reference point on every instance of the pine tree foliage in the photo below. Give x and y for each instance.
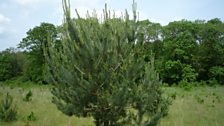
(8, 111)
(99, 70)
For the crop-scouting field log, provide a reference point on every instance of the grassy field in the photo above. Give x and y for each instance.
(202, 106)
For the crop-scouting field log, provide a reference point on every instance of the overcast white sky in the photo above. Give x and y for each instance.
(18, 16)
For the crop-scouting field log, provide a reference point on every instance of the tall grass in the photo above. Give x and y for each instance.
(189, 110)
(186, 110)
(45, 112)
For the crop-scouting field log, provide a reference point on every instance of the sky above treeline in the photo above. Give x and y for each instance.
(18, 16)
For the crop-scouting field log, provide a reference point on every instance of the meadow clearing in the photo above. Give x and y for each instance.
(201, 106)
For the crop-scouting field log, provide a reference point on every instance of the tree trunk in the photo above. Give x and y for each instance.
(106, 123)
(97, 121)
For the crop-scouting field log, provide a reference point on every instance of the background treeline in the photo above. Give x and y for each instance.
(184, 51)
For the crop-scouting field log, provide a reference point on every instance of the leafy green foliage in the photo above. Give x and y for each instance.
(217, 72)
(183, 50)
(185, 85)
(191, 51)
(211, 48)
(11, 64)
(33, 44)
(8, 112)
(212, 82)
(31, 117)
(171, 72)
(189, 74)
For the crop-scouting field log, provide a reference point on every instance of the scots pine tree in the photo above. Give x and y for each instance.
(99, 71)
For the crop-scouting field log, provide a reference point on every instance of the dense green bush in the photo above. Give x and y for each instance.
(188, 73)
(171, 72)
(217, 72)
(212, 82)
(174, 72)
(186, 85)
(11, 64)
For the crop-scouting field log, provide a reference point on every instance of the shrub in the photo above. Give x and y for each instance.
(218, 98)
(165, 85)
(171, 72)
(213, 82)
(185, 85)
(217, 72)
(199, 99)
(201, 83)
(188, 73)
(31, 117)
(28, 96)
(173, 95)
(8, 112)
